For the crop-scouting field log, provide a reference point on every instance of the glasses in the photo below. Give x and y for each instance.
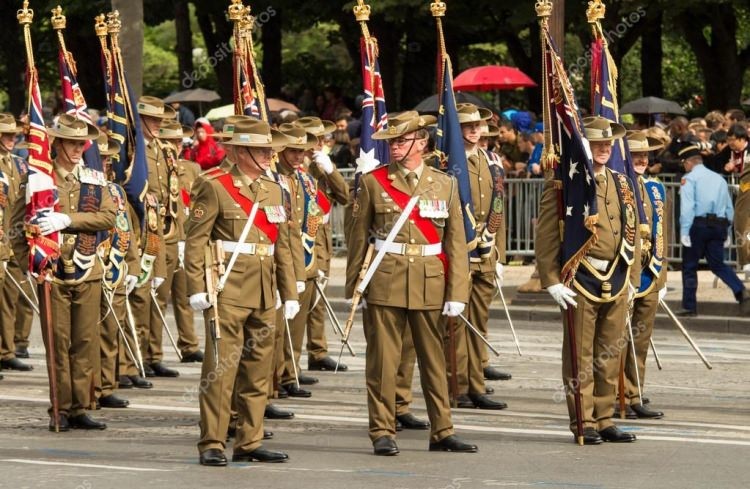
(401, 141)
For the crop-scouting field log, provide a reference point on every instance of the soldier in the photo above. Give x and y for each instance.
(423, 268)
(164, 187)
(86, 209)
(736, 160)
(604, 282)
(220, 207)
(121, 265)
(13, 169)
(486, 177)
(653, 275)
(172, 132)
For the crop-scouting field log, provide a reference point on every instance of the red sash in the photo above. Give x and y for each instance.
(185, 197)
(323, 202)
(261, 220)
(425, 225)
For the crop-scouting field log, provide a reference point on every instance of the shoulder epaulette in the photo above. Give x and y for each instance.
(213, 173)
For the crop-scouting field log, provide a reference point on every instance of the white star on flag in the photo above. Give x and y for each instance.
(585, 210)
(573, 170)
(366, 161)
(588, 178)
(569, 211)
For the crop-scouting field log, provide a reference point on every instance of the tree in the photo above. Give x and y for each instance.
(131, 40)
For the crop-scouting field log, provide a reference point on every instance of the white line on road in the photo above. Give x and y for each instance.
(88, 466)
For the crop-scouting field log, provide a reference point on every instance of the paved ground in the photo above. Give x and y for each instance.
(703, 442)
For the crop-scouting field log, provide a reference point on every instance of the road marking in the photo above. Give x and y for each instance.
(88, 466)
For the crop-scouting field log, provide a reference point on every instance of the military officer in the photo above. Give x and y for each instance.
(164, 186)
(13, 169)
(423, 269)
(85, 209)
(220, 206)
(486, 177)
(603, 284)
(653, 275)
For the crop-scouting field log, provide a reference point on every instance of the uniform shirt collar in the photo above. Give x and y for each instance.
(418, 171)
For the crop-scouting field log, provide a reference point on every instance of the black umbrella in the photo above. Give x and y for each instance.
(430, 105)
(652, 105)
(199, 95)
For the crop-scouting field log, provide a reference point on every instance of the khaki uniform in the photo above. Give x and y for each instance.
(76, 307)
(471, 352)
(246, 306)
(599, 326)
(742, 215)
(407, 291)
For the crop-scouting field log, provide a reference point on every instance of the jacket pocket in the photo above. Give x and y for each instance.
(380, 286)
(434, 282)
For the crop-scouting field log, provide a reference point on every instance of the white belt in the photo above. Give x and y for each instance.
(600, 265)
(409, 249)
(326, 218)
(260, 249)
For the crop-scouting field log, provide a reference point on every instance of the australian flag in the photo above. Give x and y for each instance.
(372, 153)
(450, 143)
(245, 103)
(574, 174)
(604, 102)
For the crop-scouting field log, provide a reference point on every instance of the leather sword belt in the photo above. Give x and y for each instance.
(259, 249)
(408, 249)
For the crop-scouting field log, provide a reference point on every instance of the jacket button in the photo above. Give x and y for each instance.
(411, 260)
(412, 240)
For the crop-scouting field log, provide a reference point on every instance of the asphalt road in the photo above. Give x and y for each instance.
(704, 440)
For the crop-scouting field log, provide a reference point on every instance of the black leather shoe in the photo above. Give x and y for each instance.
(267, 435)
(85, 422)
(124, 382)
(282, 393)
(148, 370)
(463, 402)
(590, 437)
(410, 422)
(161, 371)
(385, 446)
(272, 412)
(489, 390)
(63, 423)
(307, 380)
(1, 377)
(22, 352)
(139, 382)
(325, 363)
(113, 401)
(616, 435)
(16, 364)
(195, 357)
(642, 411)
(260, 455)
(491, 373)
(452, 443)
(686, 313)
(481, 401)
(213, 457)
(232, 432)
(295, 391)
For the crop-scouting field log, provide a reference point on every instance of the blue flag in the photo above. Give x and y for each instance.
(372, 153)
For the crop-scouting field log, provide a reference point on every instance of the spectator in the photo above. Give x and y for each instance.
(185, 116)
(333, 103)
(734, 116)
(206, 152)
(508, 137)
(526, 146)
(715, 120)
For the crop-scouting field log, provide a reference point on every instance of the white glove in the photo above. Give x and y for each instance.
(728, 241)
(453, 309)
(662, 293)
(156, 282)
(499, 272)
(685, 240)
(562, 295)
(362, 304)
(130, 282)
(53, 222)
(291, 308)
(300, 287)
(323, 161)
(321, 275)
(181, 252)
(199, 302)
(278, 300)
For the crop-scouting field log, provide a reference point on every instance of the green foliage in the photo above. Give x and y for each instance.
(160, 72)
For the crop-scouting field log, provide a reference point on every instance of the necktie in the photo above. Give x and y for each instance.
(411, 179)
(600, 178)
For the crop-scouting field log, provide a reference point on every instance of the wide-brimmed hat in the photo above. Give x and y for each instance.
(227, 129)
(174, 130)
(489, 130)
(600, 129)
(256, 134)
(299, 136)
(107, 145)
(155, 107)
(9, 124)
(72, 128)
(468, 113)
(639, 142)
(404, 123)
(316, 126)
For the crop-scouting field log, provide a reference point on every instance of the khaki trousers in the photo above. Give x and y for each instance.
(140, 304)
(644, 314)
(187, 340)
(297, 326)
(21, 313)
(599, 330)
(384, 335)
(155, 352)
(245, 351)
(317, 344)
(405, 373)
(111, 341)
(9, 307)
(280, 344)
(742, 227)
(75, 317)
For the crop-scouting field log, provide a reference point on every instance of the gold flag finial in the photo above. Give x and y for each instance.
(236, 11)
(26, 15)
(247, 22)
(58, 19)
(114, 25)
(100, 25)
(438, 8)
(595, 11)
(362, 11)
(543, 8)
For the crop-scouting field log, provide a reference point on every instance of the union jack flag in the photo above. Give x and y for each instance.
(245, 103)
(372, 153)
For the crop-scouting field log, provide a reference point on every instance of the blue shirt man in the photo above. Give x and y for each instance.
(706, 215)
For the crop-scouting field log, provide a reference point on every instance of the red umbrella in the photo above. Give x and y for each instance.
(487, 78)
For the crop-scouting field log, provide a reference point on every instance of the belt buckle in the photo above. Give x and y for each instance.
(261, 249)
(412, 249)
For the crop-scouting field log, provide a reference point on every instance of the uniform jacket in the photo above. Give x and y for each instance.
(481, 182)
